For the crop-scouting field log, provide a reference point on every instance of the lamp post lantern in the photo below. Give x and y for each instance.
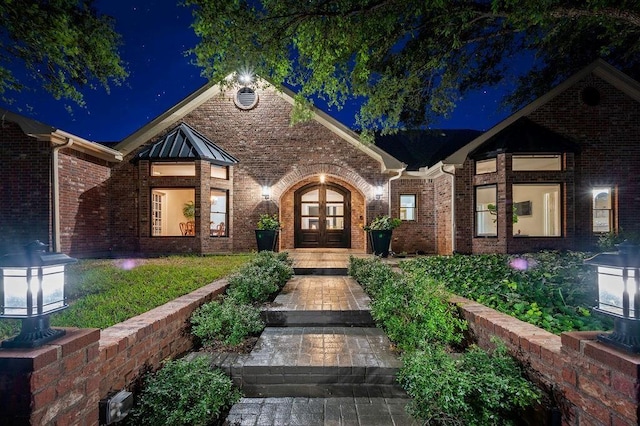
(619, 295)
(32, 288)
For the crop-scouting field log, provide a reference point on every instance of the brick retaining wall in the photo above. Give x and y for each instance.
(62, 383)
(595, 384)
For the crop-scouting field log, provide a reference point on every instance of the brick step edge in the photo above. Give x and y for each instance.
(317, 318)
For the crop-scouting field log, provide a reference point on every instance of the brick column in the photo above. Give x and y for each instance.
(602, 382)
(53, 384)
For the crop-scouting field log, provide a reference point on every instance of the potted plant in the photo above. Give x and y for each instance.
(267, 232)
(189, 210)
(380, 230)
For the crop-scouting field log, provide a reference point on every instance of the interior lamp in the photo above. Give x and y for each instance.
(619, 295)
(32, 288)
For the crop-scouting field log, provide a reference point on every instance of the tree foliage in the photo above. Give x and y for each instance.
(410, 60)
(60, 45)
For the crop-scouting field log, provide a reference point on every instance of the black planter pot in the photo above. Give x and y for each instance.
(381, 240)
(266, 239)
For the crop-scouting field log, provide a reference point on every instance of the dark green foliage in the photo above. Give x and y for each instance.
(227, 321)
(476, 388)
(257, 280)
(414, 310)
(61, 45)
(182, 392)
(553, 290)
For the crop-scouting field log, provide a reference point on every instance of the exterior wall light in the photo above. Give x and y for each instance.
(266, 192)
(32, 288)
(619, 295)
(379, 192)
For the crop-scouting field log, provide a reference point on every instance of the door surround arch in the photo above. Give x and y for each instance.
(322, 216)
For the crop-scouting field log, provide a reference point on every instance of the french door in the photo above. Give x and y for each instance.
(322, 216)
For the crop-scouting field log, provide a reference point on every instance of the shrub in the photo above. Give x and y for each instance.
(183, 392)
(228, 322)
(477, 388)
(552, 290)
(257, 280)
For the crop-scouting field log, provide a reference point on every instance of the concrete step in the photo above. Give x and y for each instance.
(344, 411)
(320, 271)
(316, 362)
(307, 301)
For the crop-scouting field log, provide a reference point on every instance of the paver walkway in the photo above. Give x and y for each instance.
(320, 361)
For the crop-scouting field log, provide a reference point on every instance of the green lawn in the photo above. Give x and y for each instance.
(102, 293)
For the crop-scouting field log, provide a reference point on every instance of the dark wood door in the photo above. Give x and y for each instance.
(322, 216)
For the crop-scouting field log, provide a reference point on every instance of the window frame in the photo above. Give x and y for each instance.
(213, 234)
(476, 211)
(413, 209)
(152, 224)
(523, 155)
(216, 166)
(493, 160)
(560, 209)
(611, 209)
(169, 164)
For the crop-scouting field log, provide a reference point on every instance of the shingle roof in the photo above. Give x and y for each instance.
(186, 143)
(524, 136)
(424, 148)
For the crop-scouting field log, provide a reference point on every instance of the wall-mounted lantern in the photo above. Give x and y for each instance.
(619, 295)
(379, 192)
(32, 288)
(266, 192)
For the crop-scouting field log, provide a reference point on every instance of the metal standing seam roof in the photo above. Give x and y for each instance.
(186, 143)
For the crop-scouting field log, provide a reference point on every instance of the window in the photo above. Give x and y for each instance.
(219, 172)
(602, 209)
(486, 166)
(537, 162)
(408, 207)
(486, 212)
(536, 210)
(218, 217)
(172, 212)
(173, 169)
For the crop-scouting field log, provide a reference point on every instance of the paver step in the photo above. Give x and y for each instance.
(316, 362)
(320, 301)
(344, 411)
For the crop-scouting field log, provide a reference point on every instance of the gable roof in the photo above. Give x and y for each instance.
(524, 136)
(186, 143)
(424, 148)
(599, 68)
(206, 92)
(45, 132)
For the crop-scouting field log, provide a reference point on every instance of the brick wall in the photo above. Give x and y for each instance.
(24, 188)
(591, 383)
(419, 234)
(61, 383)
(84, 204)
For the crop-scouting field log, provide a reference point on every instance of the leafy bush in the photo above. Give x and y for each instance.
(383, 223)
(257, 280)
(268, 222)
(372, 275)
(228, 322)
(551, 290)
(183, 392)
(477, 388)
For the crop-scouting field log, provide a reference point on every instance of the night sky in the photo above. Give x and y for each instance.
(156, 35)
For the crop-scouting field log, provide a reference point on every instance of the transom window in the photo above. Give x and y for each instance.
(486, 166)
(486, 211)
(219, 172)
(408, 207)
(173, 169)
(536, 210)
(536, 162)
(172, 212)
(219, 214)
(602, 209)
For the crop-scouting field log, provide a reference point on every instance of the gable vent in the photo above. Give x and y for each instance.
(246, 98)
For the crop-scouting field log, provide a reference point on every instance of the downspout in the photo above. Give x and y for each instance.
(453, 207)
(389, 188)
(55, 195)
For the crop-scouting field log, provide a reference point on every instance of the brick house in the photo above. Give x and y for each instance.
(556, 174)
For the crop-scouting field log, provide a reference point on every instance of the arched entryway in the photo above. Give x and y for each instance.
(322, 216)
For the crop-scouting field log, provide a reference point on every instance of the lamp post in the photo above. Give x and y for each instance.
(32, 288)
(619, 295)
